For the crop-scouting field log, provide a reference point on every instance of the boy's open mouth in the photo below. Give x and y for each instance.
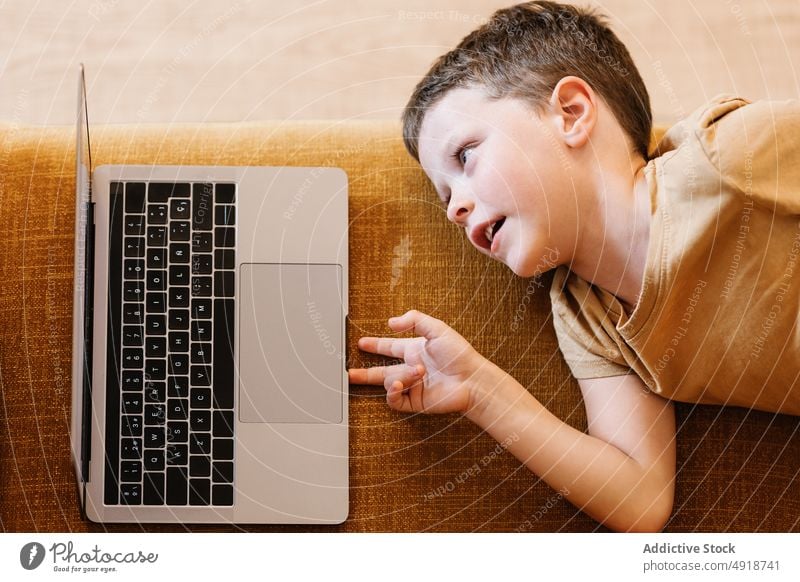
(484, 234)
(493, 228)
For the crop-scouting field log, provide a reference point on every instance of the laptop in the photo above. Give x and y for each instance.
(208, 376)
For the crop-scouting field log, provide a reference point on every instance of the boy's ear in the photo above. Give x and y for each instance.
(574, 106)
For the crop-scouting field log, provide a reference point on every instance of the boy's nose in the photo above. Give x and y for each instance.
(459, 209)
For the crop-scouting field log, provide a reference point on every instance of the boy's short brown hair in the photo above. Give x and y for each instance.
(523, 51)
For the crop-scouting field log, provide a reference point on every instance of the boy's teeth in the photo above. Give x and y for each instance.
(489, 230)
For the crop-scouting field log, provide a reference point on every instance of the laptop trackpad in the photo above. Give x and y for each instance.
(291, 363)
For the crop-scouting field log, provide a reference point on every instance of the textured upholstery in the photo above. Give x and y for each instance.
(737, 470)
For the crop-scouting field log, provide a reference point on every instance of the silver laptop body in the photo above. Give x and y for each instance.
(265, 361)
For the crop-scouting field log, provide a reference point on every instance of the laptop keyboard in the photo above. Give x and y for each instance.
(169, 407)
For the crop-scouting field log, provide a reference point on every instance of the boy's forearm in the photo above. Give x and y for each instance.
(593, 475)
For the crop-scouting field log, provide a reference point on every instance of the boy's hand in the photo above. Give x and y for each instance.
(439, 371)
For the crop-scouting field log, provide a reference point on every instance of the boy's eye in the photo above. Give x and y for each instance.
(462, 154)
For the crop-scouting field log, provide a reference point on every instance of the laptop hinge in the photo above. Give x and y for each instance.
(88, 319)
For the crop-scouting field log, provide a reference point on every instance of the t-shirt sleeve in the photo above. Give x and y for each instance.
(581, 326)
(756, 148)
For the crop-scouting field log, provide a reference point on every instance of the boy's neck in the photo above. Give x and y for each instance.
(611, 250)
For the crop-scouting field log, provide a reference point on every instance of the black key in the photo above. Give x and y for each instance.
(155, 392)
(224, 284)
(133, 270)
(180, 209)
(178, 319)
(156, 324)
(134, 291)
(132, 335)
(177, 454)
(177, 432)
(178, 363)
(201, 353)
(223, 354)
(222, 472)
(224, 259)
(201, 330)
(202, 242)
(199, 467)
(157, 214)
(156, 280)
(131, 425)
(179, 275)
(131, 449)
(132, 358)
(132, 380)
(200, 444)
(155, 437)
(131, 403)
(154, 460)
(224, 236)
(179, 253)
(179, 297)
(156, 347)
(226, 193)
(199, 492)
(200, 420)
(200, 375)
(134, 225)
(157, 258)
(202, 286)
(223, 449)
(162, 191)
(130, 494)
(201, 308)
(223, 423)
(133, 313)
(156, 236)
(134, 198)
(134, 247)
(178, 387)
(155, 369)
(178, 409)
(178, 341)
(179, 230)
(202, 264)
(130, 471)
(222, 494)
(156, 302)
(153, 489)
(155, 414)
(177, 486)
(200, 398)
(225, 215)
(202, 206)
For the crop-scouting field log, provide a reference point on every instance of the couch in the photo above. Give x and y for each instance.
(738, 470)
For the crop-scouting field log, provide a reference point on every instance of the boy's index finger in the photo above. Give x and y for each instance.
(420, 323)
(373, 376)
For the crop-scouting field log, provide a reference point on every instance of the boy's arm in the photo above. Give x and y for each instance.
(621, 473)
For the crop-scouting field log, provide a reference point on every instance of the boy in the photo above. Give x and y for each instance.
(677, 275)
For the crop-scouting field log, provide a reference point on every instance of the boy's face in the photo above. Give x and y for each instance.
(502, 173)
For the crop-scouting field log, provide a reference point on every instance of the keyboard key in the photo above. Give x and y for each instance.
(224, 215)
(224, 236)
(179, 253)
(156, 236)
(222, 472)
(177, 454)
(223, 449)
(156, 324)
(200, 444)
(226, 193)
(132, 380)
(179, 319)
(157, 258)
(179, 230)
(199, 466)
(130, 471)
(222, 494)
(201, 353)
(199, 492)
(130, 494)
(178, 364)
(156, 347)
(132, 358)
(200, 399)
(202, 286)
(155, 392)
(131, 425)
(132, 403)
(223, 354)
(131, 449)
(155, 437)
(179, 297)
(156, 280)
(155, 369)
(134, 291)
(224, 284)
(134, 197)
(134, 247)
(200, 376)
(178, 409)
(202, 242)
(202, 205)
(178, 387)
(157, 213)
(154, 460)
(153, 493)
(178, 341)
(177, 486)
(177, 432)
(156, 302)
(223, 424)
(133, 313)
(132, 335)
(134, 225)
(155, 414)
(133, 270)
(224, 259)
(200, 420)
(201, 330)
(202, 264)
(162, 191)
(179, 275)
(180, 209)
(201, 308)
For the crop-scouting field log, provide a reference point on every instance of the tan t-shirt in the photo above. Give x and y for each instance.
(717, 318)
